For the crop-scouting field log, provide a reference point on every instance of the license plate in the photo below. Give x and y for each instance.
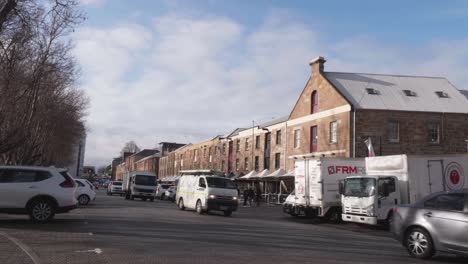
(223, 208)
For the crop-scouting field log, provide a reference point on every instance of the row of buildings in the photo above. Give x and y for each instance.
(333, 116)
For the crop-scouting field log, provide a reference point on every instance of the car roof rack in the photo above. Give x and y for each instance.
(202, 172)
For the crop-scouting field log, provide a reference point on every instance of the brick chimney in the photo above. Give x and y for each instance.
(317, 65)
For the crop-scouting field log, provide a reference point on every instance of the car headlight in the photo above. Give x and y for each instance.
(212, 196)
(234, 198)
(370, 210)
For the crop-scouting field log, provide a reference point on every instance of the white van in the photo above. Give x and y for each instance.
(205, 193)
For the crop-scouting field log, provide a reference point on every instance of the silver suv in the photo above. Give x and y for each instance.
(40, 192)
(438, 222)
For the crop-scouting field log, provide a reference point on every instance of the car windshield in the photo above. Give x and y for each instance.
(359, 187)
(117, 183)
(145, 180)
(220, 183)
(165, 186)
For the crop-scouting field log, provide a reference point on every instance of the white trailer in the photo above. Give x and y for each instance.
(317, 184)
(399, 179)
(139, 184)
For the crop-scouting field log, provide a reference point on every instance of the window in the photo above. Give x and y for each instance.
(297, 138)
(278, 137)
(224, 148)
(201, 183)
(257, 142)
(389, 182)
(314, 102)
(204, 152)
(393, 131)
(372, 91)
(223, 164)
(277, 160)
(256, 163)
(237, 164)
(434, 136)
(410, 93)
(23, 176)
(451, 202)
(333, 132)
(266, 163)
(238, 145)
(247, 144)
(246, 163)
(442, 94)
(80, 184)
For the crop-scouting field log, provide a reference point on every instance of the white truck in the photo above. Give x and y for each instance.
(317, 184)
(139, 184)
(399, 179)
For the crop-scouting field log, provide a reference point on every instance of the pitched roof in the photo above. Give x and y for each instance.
(465, 93)
(390, 94)
(274, 121)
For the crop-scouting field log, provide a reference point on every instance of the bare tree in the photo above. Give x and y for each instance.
(41, 111)
(130, 146)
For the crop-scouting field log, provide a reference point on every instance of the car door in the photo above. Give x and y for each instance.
(6, 177)
(448, 218)
(25, 185)
(200, 192)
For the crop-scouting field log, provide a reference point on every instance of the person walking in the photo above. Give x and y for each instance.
(258, 196)
(246, 196)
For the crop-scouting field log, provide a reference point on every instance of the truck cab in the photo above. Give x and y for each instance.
(369, 199)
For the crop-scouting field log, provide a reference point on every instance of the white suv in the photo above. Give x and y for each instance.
(85, 192)
(40, 192)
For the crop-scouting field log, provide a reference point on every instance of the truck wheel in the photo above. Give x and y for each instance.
(41, 210)
(199, 207)
(227, 213)
(334, 215)
(419, 243)
(181, 204)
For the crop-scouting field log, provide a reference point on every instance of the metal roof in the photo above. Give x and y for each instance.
(274, 121)
(390, 93)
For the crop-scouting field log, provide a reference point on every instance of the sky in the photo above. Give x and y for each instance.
(186, 71)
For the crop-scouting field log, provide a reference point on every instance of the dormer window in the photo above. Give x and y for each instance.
(442, 94)
(410, 93)
(372, 91)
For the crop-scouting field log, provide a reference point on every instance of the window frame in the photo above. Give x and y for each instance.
(278, 137)
(429, 128)
(297, 138)
(333, 133)
(435, 205)
(277, 160)
(257, 141)
(314, 102)
(389, 131)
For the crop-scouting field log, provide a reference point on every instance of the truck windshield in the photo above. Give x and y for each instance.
(145, 180)
(220, 183)
(359, 187)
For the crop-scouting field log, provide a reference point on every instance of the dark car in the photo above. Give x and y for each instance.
(438, 222)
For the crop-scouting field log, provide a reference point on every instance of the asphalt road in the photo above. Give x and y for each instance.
(114, 230)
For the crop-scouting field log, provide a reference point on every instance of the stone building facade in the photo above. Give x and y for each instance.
(333, 116)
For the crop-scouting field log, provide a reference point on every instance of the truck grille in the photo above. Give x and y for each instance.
(227, 198)
(145, 190)
(355, 210)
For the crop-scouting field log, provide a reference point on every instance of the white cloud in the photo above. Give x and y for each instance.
(187, 79)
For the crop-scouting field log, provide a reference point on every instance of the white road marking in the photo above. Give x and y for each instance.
(96, 250)
(23, 247)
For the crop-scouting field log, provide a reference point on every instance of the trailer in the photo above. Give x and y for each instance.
(317, 184)
(399, 179)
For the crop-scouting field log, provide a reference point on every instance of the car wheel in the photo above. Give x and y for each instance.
(144, 199)
(83, 199)
(181, 204)
(41, 211)
(228, 213)
(151, 199)
(418, 242)
(163, 196)
(199, 207)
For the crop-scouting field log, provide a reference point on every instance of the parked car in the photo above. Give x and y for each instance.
(115, 187)
(40, 192)
(438, 222)
(170, 193)
(96, 185)
(84, 192)
(161, 190)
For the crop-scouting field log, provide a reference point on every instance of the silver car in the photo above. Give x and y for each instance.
(438, 222)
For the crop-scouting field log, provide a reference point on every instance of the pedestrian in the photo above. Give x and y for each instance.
(246, 196)
(258, 196)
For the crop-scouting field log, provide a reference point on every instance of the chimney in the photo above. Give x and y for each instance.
(317, 65)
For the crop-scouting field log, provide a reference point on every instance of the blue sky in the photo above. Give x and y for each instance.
(185, 71)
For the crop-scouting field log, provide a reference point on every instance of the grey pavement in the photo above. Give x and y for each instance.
(113, 230)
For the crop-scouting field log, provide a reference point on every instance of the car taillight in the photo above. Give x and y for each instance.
(68, 184)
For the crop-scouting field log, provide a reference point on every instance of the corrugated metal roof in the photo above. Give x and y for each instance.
(275, 121)
(391, 96)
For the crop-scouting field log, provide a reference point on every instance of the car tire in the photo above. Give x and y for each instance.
(163, 197)
(227, 213)
(419, 243)
(151, 199)
(180, 204)
(144, 199)
(199, 207)
(334, 215)
(83, 199)
(41, 210)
